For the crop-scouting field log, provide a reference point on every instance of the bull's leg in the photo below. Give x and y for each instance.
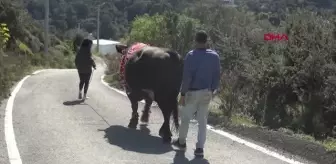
(164, 131)
(149, 98)
(161, 106)
(145, 113)
(149, 93)
(135, 116)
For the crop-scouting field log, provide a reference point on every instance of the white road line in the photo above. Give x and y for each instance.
(38, 71)
(13, 152)
(230, 136)
(106, 84)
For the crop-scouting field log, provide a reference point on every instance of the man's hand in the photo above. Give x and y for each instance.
(182, 101)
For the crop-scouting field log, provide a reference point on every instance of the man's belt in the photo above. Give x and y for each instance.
(194, 89)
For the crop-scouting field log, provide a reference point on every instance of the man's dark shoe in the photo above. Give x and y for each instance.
(179, 145)
(199, 152)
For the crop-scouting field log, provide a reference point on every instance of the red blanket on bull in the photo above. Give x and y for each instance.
(126, 55)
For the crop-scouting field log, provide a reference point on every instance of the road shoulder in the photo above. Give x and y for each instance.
(284, 142)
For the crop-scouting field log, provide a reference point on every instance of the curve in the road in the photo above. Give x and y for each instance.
(14, 155)
(13, 152)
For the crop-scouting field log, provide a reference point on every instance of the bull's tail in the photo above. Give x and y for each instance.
(176, 119)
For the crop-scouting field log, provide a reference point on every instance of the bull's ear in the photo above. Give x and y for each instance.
(120, 47)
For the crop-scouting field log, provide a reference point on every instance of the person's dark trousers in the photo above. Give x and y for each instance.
(84, 82)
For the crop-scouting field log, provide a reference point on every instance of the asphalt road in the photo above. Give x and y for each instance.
(95, 132)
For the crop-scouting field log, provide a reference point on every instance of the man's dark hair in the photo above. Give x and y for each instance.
(201, 37)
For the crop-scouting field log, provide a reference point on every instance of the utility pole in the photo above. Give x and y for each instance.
(98, 25)
(98, 28)
(78, 28)
(46, 26)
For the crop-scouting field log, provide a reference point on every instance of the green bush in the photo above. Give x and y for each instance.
(23, 48)
(170, 30)
(112, 73)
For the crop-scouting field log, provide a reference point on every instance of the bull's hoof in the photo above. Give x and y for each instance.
(161, 134)
(166, 140)
(144, 118)
(133, 124)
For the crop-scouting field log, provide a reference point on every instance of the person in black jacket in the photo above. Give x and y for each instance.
(84, 64)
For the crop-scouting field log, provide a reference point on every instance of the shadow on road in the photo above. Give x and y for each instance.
(181, 159)
(73, 102)
(136, 140)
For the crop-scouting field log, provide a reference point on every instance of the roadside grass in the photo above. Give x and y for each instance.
(111, 79)
(242, 120)
(95, 53)
(217, 118)
(329, 144)
(236, 120)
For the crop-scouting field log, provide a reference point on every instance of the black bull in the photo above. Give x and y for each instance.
(154, 74)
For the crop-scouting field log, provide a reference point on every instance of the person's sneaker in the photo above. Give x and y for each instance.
(79, 95)
(179, 145)
(84, 97)
(199, 152)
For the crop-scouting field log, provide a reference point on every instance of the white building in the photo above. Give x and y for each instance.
(105, 46)
(229, 3)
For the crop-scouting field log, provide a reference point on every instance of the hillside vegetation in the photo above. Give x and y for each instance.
(115, 15)
(21, 46)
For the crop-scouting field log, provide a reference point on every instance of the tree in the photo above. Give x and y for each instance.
(168, 30)
(149, 29)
